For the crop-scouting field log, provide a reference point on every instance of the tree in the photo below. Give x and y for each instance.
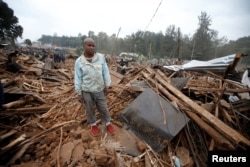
(102, 39)
(170, 41)
(28, 42)
(139, 43)
(186, 47)
(91, 34)
(9, 28)
(203, 38)
(241, 45)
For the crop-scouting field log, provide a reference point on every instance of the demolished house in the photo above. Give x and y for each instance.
(157, 114)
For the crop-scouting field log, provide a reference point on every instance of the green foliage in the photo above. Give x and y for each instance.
(79, 50)
(151, 45)
(242, 45)
(9, 28)
(204, 38)
(203, 45)
(28, 42)
(61, 41)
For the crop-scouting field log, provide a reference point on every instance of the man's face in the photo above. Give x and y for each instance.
(89, 47)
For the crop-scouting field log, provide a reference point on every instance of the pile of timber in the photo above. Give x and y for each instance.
(47, 125)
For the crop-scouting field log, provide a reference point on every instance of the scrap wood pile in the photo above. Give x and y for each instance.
(217, 123)
(46, 125)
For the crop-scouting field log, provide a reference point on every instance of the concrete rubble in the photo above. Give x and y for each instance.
(43, 124)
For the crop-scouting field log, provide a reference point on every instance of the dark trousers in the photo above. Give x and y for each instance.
(98, 100)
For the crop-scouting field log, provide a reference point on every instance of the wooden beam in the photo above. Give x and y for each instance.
(211, 119)
(210, 131)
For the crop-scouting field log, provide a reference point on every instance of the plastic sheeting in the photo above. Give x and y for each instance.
(218, 63)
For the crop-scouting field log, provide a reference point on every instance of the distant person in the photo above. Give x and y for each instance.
(11, 64)
(122, 67)
(48, 65)
(63, 58)
(92, 79)
(122, 63)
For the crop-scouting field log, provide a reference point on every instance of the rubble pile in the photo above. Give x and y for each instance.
(43, 124)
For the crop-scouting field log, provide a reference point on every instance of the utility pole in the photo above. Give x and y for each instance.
(179, 46)
(149, 55)
(115, 41)
(193, 48)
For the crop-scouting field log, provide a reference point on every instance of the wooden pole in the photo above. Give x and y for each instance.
(210, 131)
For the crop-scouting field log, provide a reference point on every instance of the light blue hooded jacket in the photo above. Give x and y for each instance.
(91, 76)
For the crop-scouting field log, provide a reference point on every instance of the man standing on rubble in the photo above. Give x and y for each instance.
(122, 67)
(92, 79)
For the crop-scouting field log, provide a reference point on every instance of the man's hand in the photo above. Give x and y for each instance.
(105, 90)
(80, 98)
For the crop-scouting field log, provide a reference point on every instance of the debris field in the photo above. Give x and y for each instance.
(43, 123)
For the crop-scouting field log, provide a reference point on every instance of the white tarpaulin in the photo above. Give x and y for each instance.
(218, 62)
(245, 80)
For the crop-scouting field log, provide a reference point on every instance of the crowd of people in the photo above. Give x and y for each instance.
(49, 59)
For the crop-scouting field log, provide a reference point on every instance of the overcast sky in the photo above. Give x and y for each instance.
(231, 18)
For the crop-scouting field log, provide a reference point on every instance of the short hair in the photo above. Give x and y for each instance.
(87, 40)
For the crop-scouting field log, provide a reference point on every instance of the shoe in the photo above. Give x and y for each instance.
(110, 129)
(95, 131)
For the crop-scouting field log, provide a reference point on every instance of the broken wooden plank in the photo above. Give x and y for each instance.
(27, 110)
(115, 77)
(231, 67)
(14, 103)
(213, 133)
(211, 119)
(62, 71)
(6, 135)
(227, 90)
(14, 142)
